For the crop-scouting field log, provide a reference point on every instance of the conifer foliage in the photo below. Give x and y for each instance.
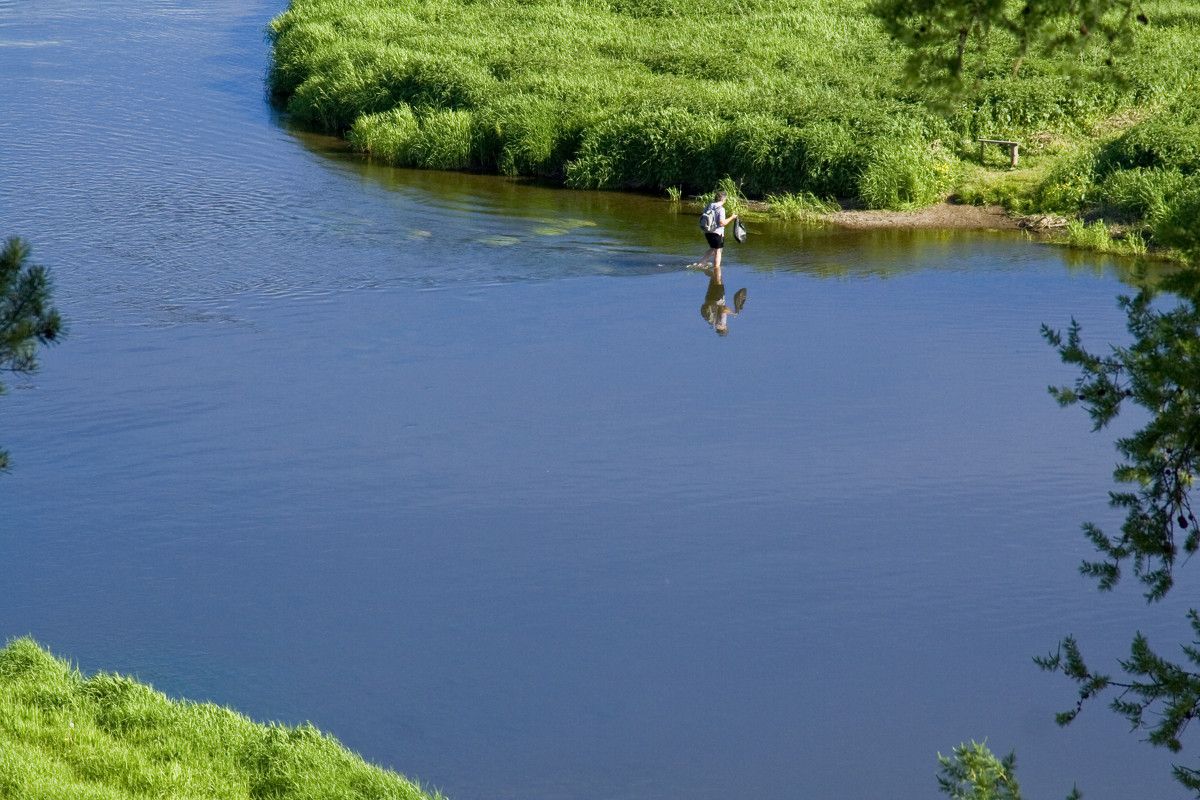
(975, 774)
(1160, 373)
(942, 35)
(27, 316)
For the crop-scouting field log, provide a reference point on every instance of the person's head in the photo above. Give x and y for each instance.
(721, 197)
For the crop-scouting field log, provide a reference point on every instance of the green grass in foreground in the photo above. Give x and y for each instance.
(111, 738)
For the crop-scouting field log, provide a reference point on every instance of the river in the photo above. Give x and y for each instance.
(456, 468)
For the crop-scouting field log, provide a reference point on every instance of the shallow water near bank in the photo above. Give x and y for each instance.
(455, 468)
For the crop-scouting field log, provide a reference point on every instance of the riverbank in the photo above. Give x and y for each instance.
(946, 214)
(1075, 232)
(63, 735)
(787, 100)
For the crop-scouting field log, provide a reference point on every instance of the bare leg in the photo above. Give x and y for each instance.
(709, 255)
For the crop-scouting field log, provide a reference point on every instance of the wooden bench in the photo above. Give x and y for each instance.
(1012, 148)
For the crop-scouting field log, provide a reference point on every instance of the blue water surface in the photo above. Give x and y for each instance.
(455, 468)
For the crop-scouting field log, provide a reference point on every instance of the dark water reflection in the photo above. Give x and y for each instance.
(452, 467)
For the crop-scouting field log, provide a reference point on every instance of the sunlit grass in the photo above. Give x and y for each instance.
(111, 738)
(802, 206)
(1099, 238)
(783, 97)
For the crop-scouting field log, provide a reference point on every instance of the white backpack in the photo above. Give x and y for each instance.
(708, 220)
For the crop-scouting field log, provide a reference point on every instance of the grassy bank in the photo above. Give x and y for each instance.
(1144, 180)
(790, 98)
(66, 736)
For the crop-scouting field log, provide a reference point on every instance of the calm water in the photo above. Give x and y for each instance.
(455, 468)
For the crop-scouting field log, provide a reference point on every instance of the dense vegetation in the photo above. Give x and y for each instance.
(112, 738)
(790, 97)
(1149, 176)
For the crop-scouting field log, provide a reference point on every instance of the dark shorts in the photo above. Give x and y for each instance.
(715, 240)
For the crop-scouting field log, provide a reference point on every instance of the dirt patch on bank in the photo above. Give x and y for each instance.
(943, 215)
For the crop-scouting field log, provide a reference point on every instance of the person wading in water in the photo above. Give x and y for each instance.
(713, 222)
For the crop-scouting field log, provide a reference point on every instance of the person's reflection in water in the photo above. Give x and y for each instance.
(714, 310)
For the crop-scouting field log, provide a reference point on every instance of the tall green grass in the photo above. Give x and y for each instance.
(803, 206)
(1098, 237)
(111, 738)
(1143, 177)
(781, 96)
